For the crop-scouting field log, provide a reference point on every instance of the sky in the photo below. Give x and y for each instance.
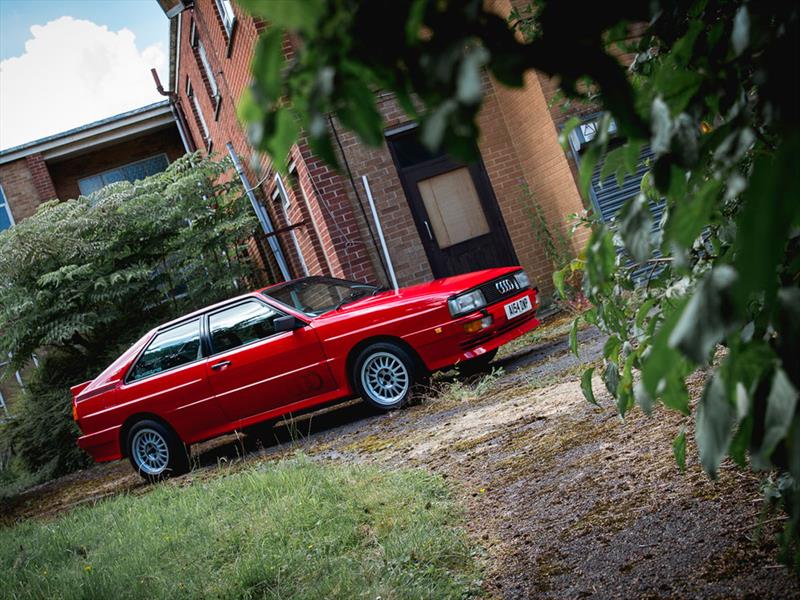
(66, 63)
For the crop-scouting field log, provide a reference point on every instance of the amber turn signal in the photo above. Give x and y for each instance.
(473, 326)
(74, 411)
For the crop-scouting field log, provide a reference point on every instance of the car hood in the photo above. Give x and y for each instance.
(436, 291)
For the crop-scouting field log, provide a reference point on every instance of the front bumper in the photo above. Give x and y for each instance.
(447, 344)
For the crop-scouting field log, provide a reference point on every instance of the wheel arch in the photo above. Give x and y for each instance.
(135, 418)
(356, 350)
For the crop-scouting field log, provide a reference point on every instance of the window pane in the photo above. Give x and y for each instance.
(145, 168)
(241, 324)
(90, 184)
(170, 349)
(5, 217)
(212, 82)
(453, 207)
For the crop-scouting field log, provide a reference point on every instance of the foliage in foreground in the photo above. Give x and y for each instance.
(292, 530)
(82, 279)
(710, 90)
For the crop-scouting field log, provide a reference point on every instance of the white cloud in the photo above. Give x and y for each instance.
(74, 72)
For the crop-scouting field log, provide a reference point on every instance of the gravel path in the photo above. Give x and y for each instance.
(566, 500)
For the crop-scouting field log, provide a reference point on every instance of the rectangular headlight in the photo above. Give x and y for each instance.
(466, 303)
(523, 281)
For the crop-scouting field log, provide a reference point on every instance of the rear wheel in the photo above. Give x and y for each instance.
(156, 452)
(384, 375)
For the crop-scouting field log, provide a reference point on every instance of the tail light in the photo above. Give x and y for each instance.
(74, 411)
(536, 302)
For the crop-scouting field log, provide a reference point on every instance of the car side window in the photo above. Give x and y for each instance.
(169, 349)
(241, 324)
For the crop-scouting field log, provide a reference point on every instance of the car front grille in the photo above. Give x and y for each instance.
(502, 287)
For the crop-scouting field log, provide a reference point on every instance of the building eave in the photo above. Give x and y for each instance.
(97, 134)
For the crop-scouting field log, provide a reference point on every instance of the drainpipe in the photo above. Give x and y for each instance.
(262, 215)
(377, 220)
(177, 112)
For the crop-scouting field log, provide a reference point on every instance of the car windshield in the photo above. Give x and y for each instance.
(316, 295)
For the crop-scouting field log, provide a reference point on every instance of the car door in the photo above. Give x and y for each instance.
(169, 379)
(252, 369)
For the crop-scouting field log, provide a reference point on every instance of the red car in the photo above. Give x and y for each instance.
(289, 347)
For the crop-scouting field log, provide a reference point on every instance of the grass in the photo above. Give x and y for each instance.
(295, 529)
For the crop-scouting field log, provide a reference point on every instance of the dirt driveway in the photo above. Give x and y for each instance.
(564, 498)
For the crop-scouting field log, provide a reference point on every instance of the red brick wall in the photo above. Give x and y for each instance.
(66, 173)
(41, 177)
(20, 189)
(329, 241)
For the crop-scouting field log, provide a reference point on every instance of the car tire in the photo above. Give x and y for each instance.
(384, 375)
(155, 451)
(476, 365)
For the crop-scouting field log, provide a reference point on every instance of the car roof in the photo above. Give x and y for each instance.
(200, 311)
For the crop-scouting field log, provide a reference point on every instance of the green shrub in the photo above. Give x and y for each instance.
(84, 278)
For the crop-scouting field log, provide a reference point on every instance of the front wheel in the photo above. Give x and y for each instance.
(156, 452)
(384, 375)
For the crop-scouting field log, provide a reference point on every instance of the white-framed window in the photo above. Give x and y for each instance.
(198, 112)
(133, 171)
(227, 15)
(283, 195)
(212, 81)
(6, 218)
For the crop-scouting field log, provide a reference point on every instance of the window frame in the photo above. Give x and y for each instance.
(225, 9)
(205, 64)
(203, 351)
(117, 168)
(198, 113)
(7, 206)
(207, 320)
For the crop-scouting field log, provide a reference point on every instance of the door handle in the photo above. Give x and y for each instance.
(428, 227)
(220, 365)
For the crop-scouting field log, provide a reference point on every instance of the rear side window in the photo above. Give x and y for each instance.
(169, 349)
(241, 324)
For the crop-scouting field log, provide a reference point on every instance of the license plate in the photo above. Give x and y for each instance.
(518, 307)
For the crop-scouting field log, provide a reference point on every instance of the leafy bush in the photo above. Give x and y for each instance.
(82, 279)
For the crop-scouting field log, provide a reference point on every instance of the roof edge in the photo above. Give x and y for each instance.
(89, 126)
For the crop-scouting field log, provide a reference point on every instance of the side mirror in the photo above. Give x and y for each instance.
(287, 323)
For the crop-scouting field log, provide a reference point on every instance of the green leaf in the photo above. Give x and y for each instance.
(558, 281)
(573, 336)
(708, 316)
(284, 135)
(611, 377)
(635, 227)
(612, 347)
(563, 136)
(740, 36)
(741, 442)
(469, 89)
(360, 113)
(679, 449)
(434, 125)
(716, 417)
(781, 405)
(267, 64)
(762, 233)
(689, 215)
(586, 386)
(291, 14)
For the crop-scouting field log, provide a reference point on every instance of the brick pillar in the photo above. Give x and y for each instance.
(41, 177)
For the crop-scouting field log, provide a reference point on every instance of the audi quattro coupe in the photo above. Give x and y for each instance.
(289, 347)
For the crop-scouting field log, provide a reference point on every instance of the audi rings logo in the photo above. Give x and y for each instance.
(506, 285)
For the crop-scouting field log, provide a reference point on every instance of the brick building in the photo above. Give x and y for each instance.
(127, 146)
(439, 217)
